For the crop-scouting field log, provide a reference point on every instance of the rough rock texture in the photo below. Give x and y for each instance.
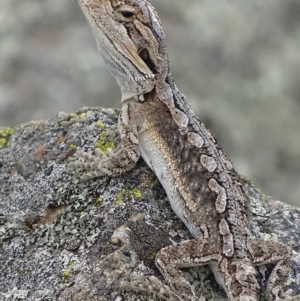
(63, 239)
(236, 61)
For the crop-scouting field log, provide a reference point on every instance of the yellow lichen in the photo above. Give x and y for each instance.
(101, 124)
(136, 193)
(120, 197)
(67, 273)
(82, 115)
(104, 143)
(5, 134)
(127, 193)
(3, 142)
(152, 256)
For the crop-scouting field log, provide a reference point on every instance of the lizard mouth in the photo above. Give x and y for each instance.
(144, 55)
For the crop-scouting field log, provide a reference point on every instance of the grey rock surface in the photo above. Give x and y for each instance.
(64, 239)
(236, 61)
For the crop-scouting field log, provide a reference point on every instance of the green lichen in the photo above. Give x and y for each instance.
(100, 201)
(120, 198)
(67, 273)
(3, 142)
(43, 128)
(127, 193)
(82, 115)
(73, 146)
(5, 134)
(136, 193)
(101, 124)
(104, 143)
(152, 255)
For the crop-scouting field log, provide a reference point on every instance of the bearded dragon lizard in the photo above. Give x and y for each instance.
(203, 188)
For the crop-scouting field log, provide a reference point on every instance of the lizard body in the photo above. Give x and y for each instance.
(202, 185)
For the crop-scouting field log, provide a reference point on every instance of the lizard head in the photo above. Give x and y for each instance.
(131, 41)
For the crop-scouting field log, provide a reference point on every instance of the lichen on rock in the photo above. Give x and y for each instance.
(64, 239)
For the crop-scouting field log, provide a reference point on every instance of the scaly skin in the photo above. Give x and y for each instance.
(203, 188)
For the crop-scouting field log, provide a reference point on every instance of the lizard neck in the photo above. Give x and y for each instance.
(168, 93)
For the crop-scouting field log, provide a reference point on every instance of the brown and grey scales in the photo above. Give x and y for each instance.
(203, 188)
(172, 157)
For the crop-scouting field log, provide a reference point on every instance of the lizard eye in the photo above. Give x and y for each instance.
(127, 14)
(126, 11)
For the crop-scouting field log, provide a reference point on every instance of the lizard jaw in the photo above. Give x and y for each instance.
(121, 54)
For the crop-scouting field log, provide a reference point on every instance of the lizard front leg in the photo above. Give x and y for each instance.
(115, 162)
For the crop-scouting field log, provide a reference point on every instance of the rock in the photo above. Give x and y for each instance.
(64, 239)
(236, 61)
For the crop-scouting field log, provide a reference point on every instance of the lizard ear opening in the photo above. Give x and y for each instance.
(144, 55)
